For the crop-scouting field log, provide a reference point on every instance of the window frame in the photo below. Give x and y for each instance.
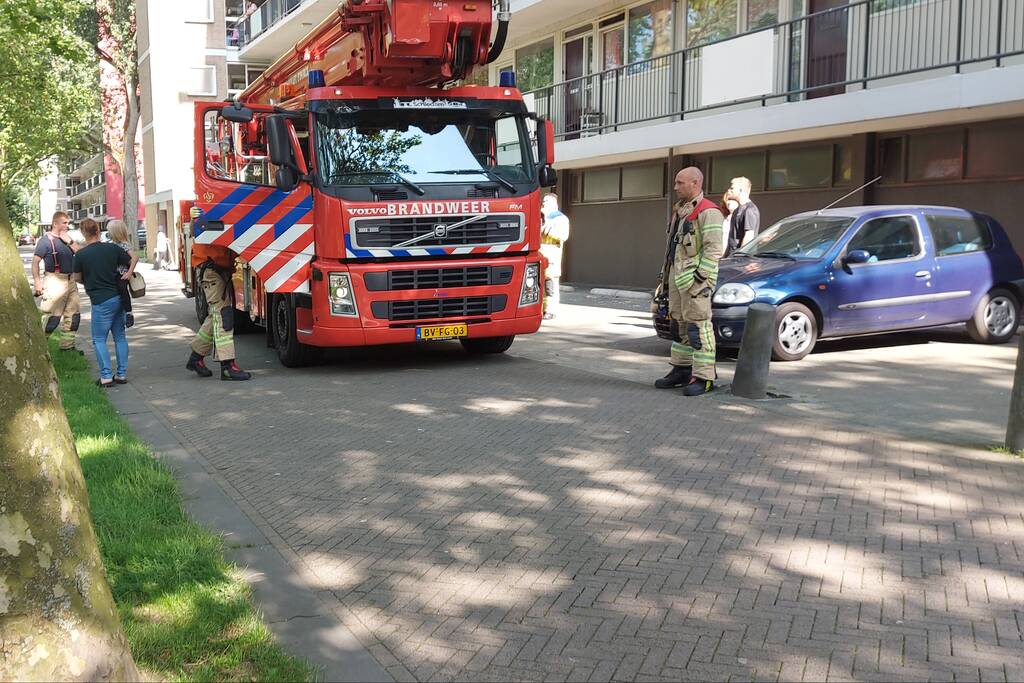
(920, 256)
(579, 180)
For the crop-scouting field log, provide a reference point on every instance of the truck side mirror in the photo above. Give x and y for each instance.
(286, 179)
(236, 113)
(546, 175)
(282, 154)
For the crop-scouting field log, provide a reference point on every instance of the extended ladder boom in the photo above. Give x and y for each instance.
(387, 42)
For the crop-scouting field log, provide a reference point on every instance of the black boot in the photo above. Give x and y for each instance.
(197, 365)
(679, 376)
(698, 387)
(230, 372)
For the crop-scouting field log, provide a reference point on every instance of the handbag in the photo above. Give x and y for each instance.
(137, 285)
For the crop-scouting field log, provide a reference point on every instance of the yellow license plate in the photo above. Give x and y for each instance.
(442, 332)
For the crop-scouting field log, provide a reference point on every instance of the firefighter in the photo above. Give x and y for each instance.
(60, 305)
(696, 234)
(216, 333)
(554, 233)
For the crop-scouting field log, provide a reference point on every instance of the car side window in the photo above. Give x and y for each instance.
(959, 234)
(887, 239)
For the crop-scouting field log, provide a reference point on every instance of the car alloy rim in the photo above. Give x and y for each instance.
(795, 333)
(1000, 316)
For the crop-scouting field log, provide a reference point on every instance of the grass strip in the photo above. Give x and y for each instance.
(185, 611)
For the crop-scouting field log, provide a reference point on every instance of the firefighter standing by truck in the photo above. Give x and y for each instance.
(216, 335)
(55, 252)
(695, 235)
(554, 233)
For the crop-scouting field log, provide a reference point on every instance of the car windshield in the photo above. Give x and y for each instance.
(417, 146)
(805, 237)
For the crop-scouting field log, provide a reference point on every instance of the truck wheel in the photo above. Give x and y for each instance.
(290, 351)
(796, 332)
(996, 318)
(488, 344)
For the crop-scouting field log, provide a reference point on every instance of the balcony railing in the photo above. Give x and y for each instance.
(256, 24)
(88, 184)
(827, 53)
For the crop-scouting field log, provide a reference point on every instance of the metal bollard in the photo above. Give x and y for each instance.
(751, 378)
(1015, 423)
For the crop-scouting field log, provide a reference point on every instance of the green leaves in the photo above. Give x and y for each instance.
(48, 83)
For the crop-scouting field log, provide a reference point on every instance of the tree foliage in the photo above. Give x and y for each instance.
(47, 84)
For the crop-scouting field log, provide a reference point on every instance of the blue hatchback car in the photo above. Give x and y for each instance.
(865, 270)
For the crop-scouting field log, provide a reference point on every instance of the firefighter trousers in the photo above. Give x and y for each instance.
(212, 337)
(60, 300)
(693, 314)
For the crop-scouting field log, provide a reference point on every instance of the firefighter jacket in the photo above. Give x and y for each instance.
(698, 245)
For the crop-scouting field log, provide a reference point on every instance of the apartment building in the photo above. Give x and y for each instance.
(808, 98)
(188, 51)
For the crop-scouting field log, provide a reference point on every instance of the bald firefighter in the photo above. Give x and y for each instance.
(695, 234)
(216, 335)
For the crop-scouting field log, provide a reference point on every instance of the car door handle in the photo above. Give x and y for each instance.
(923, 274)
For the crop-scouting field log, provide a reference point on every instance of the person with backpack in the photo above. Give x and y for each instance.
(51, 279)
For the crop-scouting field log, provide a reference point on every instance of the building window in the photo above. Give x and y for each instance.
(842, 173)
(935, 156)
(650, 30)
(995, 150)
(535, 65)
(710, 20)
(749, 165)
(890, 160)
(576, 188)
(202, 81)
(601, 185)
(959, 234)
(643, 182)
(796, 168)
(612, 43)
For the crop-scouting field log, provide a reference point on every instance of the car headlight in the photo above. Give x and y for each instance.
(734, 293)
(531, 285)
(339, 291)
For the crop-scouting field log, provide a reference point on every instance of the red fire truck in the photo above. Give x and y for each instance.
(360, 199)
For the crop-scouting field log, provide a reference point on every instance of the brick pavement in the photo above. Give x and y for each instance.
(500, 518)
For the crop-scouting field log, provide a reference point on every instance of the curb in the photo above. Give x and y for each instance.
(621, 293)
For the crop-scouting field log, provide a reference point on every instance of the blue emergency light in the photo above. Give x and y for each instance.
(316, 79)
(507, 79)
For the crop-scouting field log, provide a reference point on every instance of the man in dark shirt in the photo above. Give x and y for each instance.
(95, 266)
(744, 222)
(51, 279)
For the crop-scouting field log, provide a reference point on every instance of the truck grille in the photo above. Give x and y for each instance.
(388, 233)
(438, 278)
(429, 309)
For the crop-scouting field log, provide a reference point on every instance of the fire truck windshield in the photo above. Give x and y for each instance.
(421, 146)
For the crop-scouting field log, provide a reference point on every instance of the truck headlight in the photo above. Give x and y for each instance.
(734, 293)
(531, 285)
(339, 291)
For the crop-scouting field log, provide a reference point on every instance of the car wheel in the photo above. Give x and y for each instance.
(488, 344)
(996, 318)
(796, 332)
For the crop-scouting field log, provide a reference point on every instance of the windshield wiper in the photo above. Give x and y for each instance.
(394, 174)
(775, 254)
(491, 175)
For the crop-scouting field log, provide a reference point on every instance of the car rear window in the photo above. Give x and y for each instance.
(959, 234)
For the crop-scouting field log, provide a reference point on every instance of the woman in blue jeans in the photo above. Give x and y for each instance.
(96, 266)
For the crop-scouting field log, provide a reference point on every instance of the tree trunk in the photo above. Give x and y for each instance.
(130, 171)
(58, 620)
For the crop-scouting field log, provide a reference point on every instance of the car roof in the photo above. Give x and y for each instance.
(881, 210)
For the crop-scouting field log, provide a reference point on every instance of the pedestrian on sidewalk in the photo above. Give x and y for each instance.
(52, 264)
(96, 265)
(746, 220)
(696, 233)
(118, 232)
(554, 233)
(162, 256)
(216, 335)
